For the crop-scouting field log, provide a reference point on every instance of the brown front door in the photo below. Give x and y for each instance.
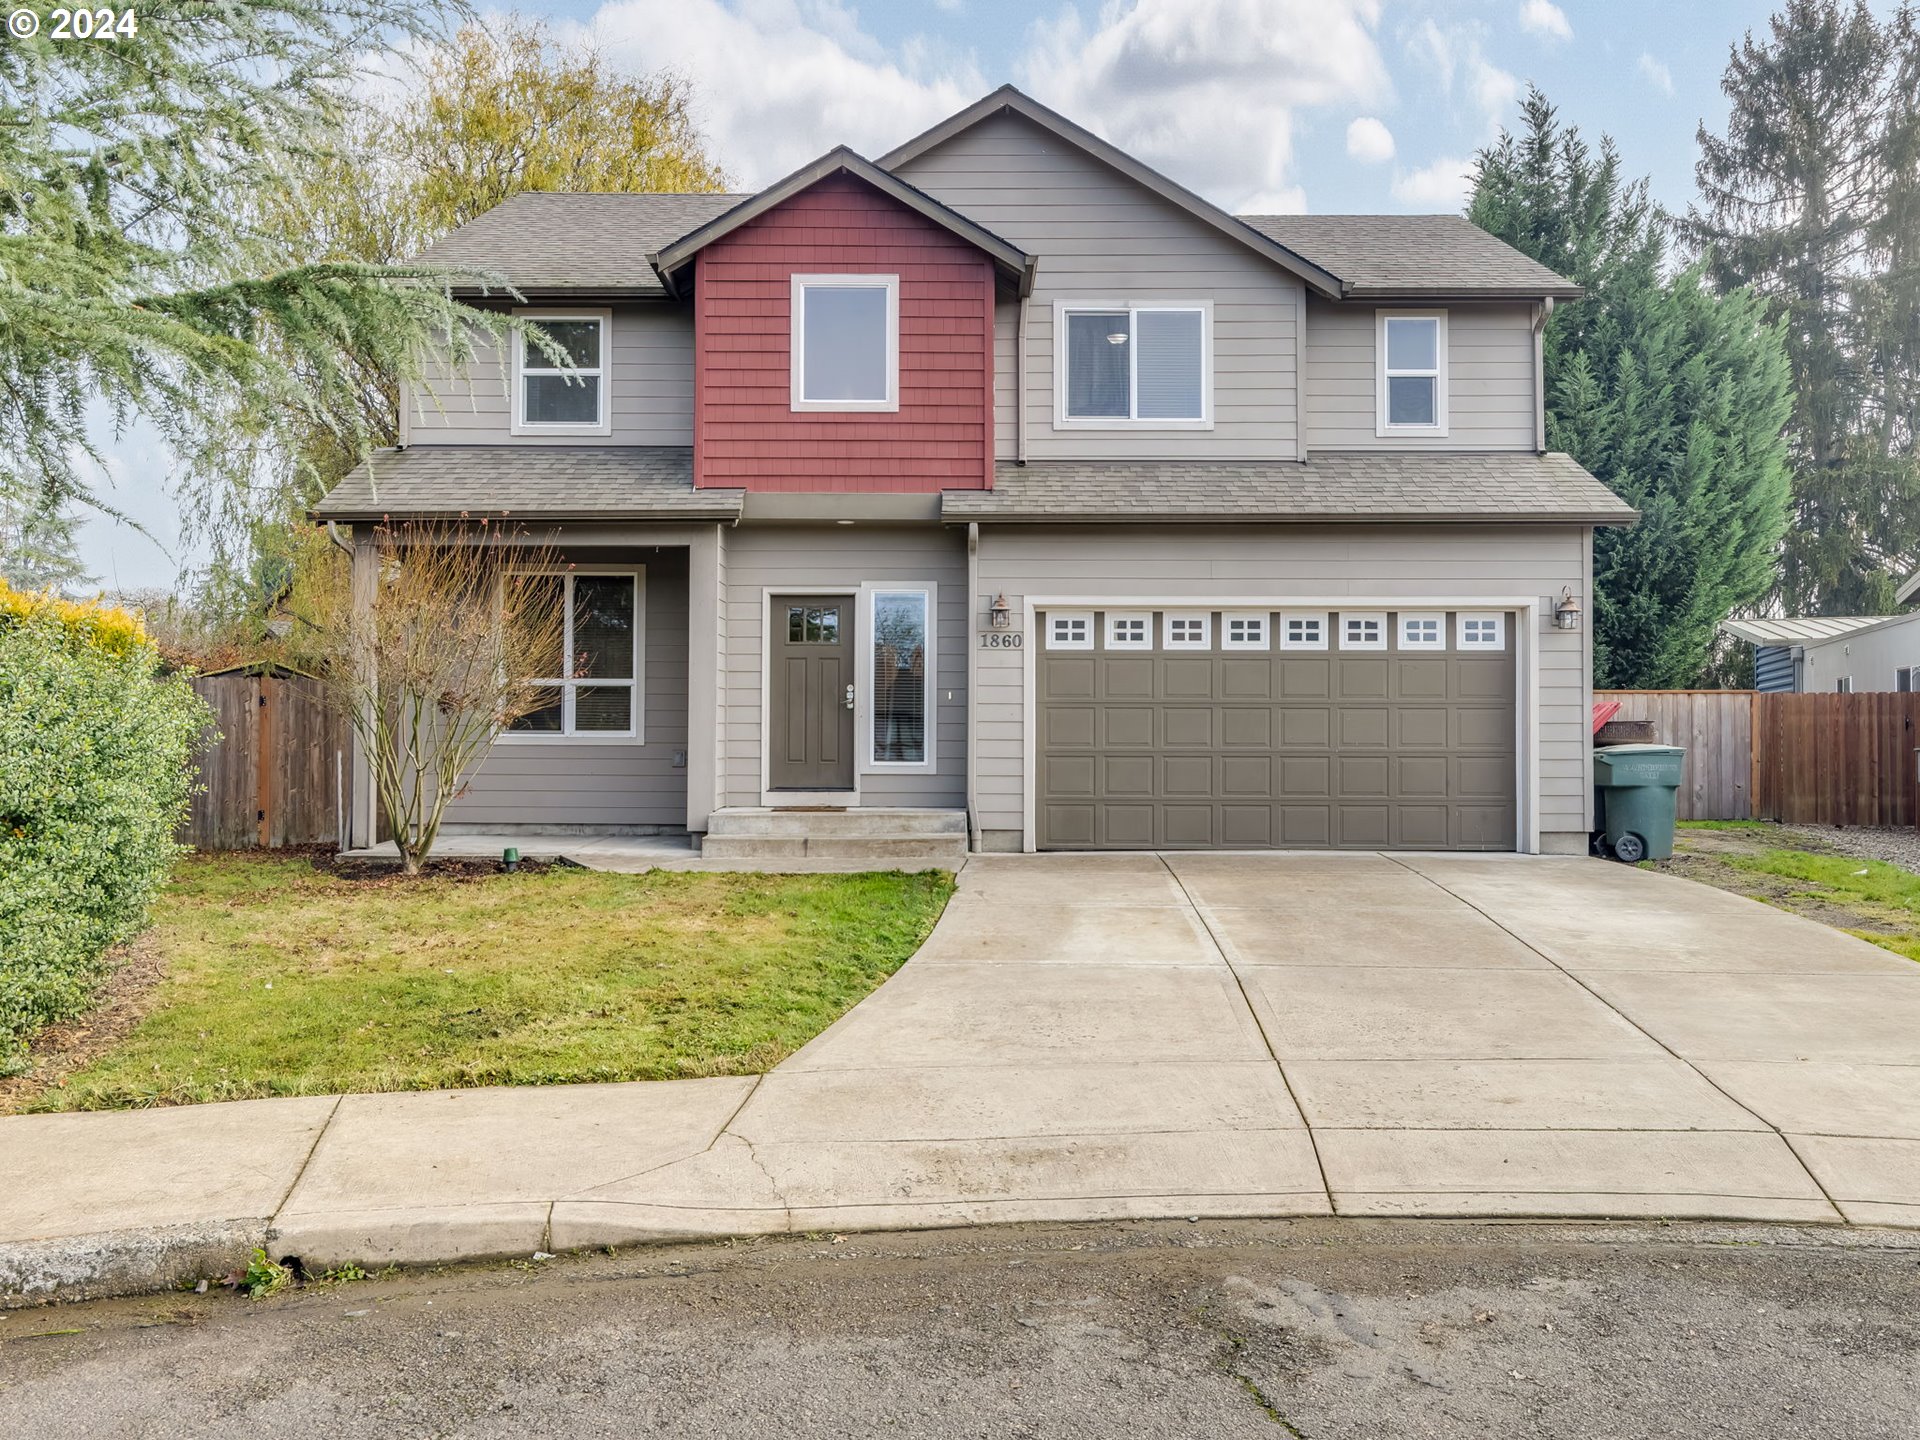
(811, 744)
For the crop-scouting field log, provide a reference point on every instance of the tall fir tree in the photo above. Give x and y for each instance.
(1672, 394)
(1812, 199)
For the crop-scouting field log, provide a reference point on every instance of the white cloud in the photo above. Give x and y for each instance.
(1443, 185)
(1460, 66)
(951, 7)
(1546, 19)
(1655, 73)
(1369, 141)
(779, 83)
(1206, 90)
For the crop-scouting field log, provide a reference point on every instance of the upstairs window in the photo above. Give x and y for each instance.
(846, 342)
(1144, 365)
(1412, 347)
(551, 398)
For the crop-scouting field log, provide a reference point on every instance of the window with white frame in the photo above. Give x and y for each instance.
(1137, 365)
(1903, 679)
(1303, 631)
(1482, 632)
(1070, 630)
(560, 374)
(845, 343)
(1189, 632)
(1129, 630)
(1244, 631)
(594, 687)
(1362, 631)
(901, 682)
(1412, 383)
(1844, 685)
(1423, 632)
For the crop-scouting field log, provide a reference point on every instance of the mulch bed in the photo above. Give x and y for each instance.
(328, 861)
(125, 996)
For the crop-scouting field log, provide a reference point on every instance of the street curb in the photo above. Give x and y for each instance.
(123, 1262)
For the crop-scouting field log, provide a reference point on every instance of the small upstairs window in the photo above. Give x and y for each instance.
(555, 395)
(1141, 365)
(846, 342)
(1412, 347)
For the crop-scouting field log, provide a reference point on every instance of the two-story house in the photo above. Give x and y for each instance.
(1004, 486)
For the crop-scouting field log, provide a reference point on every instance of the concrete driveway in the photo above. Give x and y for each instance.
(1096, 1037)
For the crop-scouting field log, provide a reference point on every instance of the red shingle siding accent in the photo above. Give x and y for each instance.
(746, 433)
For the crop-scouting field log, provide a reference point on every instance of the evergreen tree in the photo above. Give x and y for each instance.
(39, 549)
(1670, 393)
(1812, 199)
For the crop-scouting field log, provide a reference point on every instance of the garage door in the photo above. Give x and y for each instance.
(1168, 729)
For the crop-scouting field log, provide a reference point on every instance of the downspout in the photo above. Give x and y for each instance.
(1541, 314)
(1020, 374)
(973, 734)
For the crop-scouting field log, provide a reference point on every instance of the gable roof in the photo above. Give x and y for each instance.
(1414, 257)
(1909, 588)
(1806, 629)
(1007, 100)
(1347, 487)
(558, 241)
(669, 260)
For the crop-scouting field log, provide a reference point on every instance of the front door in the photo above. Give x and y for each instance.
(811, 744)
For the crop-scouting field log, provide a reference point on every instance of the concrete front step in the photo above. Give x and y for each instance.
(948, 848)
(870, 823)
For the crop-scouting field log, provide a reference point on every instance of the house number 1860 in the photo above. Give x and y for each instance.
(1001, 639)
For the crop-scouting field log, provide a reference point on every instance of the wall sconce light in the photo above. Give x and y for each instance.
(1566, 615)
(998, 613)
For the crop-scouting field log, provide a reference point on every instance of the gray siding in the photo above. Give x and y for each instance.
(1869, 656)
(1119, 564)
(1099, 236)
(651, 394)
(603, 783)
(1489, 378)
(763, 558)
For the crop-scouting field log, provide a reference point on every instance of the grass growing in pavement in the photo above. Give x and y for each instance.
(1868, 898)
(284, 980)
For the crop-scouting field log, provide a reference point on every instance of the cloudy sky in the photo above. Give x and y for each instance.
(1322, 105)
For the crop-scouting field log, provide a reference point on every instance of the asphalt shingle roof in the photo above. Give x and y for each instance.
(605, 482)
(549, 241)
(1379, 256)
(1330, 487)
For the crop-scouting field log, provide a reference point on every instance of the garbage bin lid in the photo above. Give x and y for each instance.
(1639, 747)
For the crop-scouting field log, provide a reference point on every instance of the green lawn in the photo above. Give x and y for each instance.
(284, 980)
(1868, 898)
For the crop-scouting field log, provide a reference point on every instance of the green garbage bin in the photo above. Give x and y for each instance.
(1634, 799)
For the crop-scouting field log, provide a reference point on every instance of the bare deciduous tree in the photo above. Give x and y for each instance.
(429, 661)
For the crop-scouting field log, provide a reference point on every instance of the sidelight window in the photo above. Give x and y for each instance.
(901, 678)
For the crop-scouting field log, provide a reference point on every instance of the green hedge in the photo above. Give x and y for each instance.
(96, 752)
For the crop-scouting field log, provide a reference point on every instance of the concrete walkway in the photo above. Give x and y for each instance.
(1089, 1037)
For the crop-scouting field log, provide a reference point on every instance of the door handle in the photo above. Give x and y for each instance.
(849, 697)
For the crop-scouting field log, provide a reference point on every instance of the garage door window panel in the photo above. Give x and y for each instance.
(1363, 631)
(1129, 630)
(1070, 630)
(1187, 632)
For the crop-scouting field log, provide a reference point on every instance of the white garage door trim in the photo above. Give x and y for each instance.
(1526, 627)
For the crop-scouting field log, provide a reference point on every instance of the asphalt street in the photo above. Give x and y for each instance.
(1320, 1328)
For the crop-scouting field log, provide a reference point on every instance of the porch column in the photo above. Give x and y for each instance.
(360, 796)
(706, 638)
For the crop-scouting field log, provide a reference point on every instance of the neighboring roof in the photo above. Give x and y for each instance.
(1332, 487)
(670, 260)
(1909, 588)
(1383, 257)
(612, 482)
(1806, 629)
(1007, 99)
(546, 241)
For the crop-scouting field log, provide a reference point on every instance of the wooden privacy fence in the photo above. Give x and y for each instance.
(277, 775)
(1824, 759)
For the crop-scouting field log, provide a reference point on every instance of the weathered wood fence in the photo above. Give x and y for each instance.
(1824, 759)
(277, 774)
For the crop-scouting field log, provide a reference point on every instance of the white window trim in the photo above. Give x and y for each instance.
(796, 348)
(1381, 373)
(1145, 642)
(1499, 619)
(1055, 616)
(1205, 642)
(518, 424)
(1262, 617)
(567, 735)
(870, 592)
(1319, 615)
(1061, 420)
(1347, 617)
(1439, 641)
